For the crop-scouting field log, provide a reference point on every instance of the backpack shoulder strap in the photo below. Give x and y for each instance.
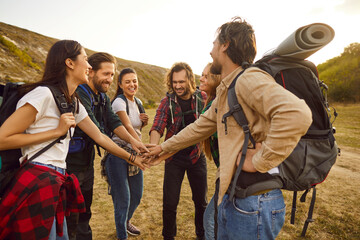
(122, 96)
(199, 102)
(103, 99)
(235, 108)
(47, 147)
(64, 107)
(92, 100)
(238, 113)
(137, 101)
(139, 104)
(60, 100)
(103, 109)
(172, 107)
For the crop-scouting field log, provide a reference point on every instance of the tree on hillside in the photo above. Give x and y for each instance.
(342, 75)
(353, 49)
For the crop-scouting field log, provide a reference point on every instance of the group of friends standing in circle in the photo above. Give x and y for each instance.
(51, 196)
(125, 178)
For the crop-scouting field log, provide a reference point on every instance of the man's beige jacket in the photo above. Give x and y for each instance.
(277, 119)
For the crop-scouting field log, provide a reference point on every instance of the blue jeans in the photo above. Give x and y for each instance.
(126, 192)
(255, 217)
(53, 235)
(209, 221)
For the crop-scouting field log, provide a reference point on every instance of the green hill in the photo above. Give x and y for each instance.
(23, 54)
(342, 75)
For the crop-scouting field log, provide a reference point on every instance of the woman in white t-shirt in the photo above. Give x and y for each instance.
(126, 181)
(41, 193)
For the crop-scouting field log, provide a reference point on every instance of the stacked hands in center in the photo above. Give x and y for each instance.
(150, 155)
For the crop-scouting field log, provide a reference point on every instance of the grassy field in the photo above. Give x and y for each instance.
(336, 214)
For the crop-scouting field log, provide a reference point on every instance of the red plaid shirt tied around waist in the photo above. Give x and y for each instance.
(36, 196)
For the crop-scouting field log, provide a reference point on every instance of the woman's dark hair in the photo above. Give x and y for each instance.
(121, 75)
(55, 67)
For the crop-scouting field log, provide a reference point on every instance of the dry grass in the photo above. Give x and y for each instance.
(348, 125)
(336, 211)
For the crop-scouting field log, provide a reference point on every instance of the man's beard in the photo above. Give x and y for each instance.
(98, 85)
(186, 92)
(215, 68)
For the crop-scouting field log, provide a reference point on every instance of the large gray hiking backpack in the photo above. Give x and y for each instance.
(315, 153)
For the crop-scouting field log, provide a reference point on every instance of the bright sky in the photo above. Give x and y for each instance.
(161, 32)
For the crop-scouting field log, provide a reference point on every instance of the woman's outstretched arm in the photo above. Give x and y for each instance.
(12, 132)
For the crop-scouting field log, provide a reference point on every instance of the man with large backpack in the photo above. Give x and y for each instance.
(81, 155)
(182, 106)
(277, 120)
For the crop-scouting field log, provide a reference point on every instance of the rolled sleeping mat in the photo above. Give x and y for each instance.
(305, 41)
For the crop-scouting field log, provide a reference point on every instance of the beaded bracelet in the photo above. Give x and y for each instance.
(134, 154)
(132, 157)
